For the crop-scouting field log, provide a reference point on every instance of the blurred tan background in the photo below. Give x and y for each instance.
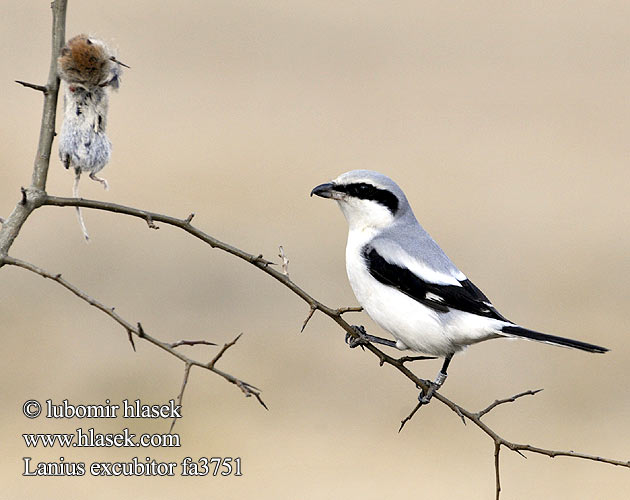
(506, 124)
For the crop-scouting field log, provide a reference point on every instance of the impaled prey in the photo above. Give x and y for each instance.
(89, 70)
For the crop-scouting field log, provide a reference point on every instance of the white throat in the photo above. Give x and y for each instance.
(363, 215)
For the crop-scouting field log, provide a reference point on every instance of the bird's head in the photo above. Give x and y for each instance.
(366, 198)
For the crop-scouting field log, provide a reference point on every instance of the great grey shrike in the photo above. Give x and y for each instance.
(405, 281)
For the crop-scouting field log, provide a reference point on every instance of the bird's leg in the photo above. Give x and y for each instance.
(364, 338)
(439, 381)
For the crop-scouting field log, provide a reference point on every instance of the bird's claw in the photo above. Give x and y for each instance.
(433, 387)
(359, 340)
(425, 399)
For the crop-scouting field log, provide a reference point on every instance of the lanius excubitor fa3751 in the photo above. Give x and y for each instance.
(407, 284)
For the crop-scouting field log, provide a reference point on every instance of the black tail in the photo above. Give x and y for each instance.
(518, 331)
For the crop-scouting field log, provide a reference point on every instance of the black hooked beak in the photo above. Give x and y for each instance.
(324, 190)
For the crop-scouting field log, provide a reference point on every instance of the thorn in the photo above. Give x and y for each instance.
(308, 318)
(409, 417)
(23, 200)
(141, 333)
(113, 59)
(190, 217)
(260, 260)
(41, 88)
(190, 343)
(131, 340)
(461, 415)
(261, 401)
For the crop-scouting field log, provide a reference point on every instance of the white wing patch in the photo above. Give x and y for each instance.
(394, 254)
(433, 296)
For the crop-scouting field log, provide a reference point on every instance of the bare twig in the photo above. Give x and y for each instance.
(344, 310)
(338, 312)
(497, 475)
(409, 417)
(498, 402)
(225, 347)
(181, 392)
(558, 453)
(138, 330)
(248, 389)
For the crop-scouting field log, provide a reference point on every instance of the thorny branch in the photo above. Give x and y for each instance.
(35, 196)
(335, 315)
(498, 402)
(140, 332)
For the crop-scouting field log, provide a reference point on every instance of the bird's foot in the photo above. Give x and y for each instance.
(359, 340)
(433, 387)
(363, 338)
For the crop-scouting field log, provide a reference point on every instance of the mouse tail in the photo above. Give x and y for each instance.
(75, 193)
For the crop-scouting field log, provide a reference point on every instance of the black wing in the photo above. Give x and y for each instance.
(441, 298)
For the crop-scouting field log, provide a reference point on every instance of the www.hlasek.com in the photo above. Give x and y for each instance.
(215, 466)
(90, 439)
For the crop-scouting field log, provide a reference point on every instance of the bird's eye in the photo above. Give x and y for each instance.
(360, 190)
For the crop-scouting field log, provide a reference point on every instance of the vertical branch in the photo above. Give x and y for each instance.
(34, 196)
(497, 474)
(47, 130)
